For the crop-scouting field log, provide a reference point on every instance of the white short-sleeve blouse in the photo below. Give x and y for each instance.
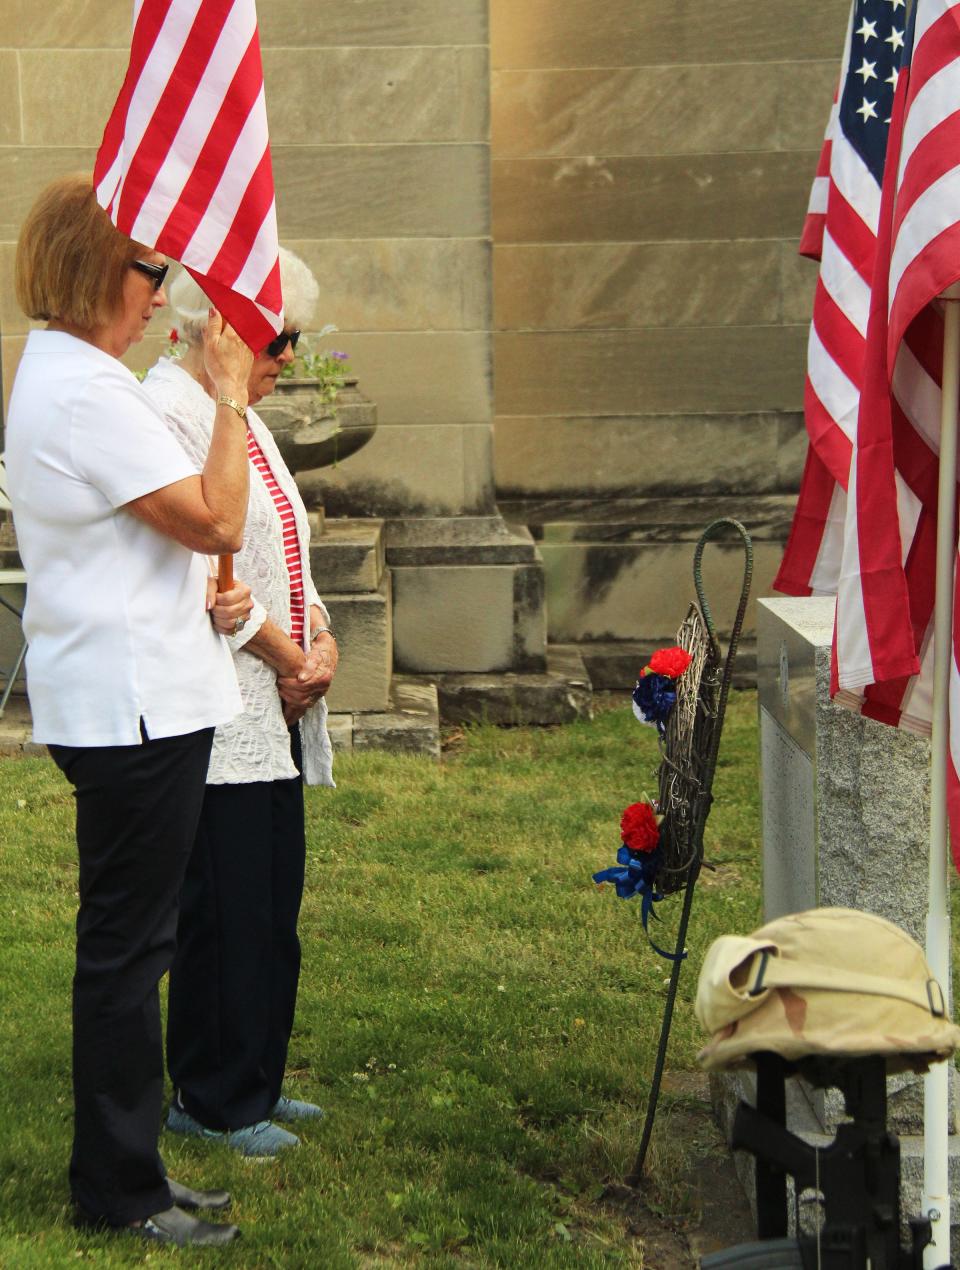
(115, 613)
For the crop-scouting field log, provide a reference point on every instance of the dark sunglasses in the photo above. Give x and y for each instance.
(276, 347)
(156, 272)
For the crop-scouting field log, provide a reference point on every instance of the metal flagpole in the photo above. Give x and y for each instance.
(936, 1090)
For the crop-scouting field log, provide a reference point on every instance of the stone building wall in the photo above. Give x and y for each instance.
(379, 123)
(651, 169)
(647, 323)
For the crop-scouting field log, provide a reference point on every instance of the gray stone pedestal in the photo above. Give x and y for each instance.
(845, 806)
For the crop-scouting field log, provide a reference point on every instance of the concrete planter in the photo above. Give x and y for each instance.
(311, 432)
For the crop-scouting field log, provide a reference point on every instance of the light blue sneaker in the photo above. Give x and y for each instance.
(289, 1110)
(261, 1141)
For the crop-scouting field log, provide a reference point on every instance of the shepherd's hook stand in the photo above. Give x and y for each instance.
(714, 697)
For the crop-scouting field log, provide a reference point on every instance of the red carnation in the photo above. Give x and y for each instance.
(671, 662)
(174, 336)
(639, 829)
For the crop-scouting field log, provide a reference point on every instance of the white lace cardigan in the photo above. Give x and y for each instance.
(255, 746)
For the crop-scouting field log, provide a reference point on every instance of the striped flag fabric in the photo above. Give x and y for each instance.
(184, 165)
(883, 642)
(840, 231)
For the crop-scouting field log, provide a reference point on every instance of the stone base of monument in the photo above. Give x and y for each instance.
(845, 811)
(559, 694)
(468, 596)
(409, 725)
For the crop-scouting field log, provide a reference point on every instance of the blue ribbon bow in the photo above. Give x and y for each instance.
(636, 877)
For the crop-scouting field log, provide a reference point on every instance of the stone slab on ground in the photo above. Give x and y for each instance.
(16, 730)
(561, 694)
(409, 725)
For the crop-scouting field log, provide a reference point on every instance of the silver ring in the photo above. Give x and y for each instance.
(239, 625)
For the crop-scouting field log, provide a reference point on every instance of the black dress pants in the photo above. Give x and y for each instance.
(233, 983)
(137, 812)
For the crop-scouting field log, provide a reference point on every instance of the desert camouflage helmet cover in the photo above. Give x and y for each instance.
(829, 981)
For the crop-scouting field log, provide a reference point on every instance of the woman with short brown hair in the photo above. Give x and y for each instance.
(126, 674)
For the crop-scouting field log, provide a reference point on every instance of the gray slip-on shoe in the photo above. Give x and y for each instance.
(208, 1201)
(174, 1226)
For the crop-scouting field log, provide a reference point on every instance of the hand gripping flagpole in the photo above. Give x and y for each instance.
(936, 1089)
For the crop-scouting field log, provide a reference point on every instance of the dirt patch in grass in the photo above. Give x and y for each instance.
(690, 1202)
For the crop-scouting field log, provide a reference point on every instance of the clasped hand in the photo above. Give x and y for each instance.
(226, 607)
(301, 691)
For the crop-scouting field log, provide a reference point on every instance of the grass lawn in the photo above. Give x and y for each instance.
(478, 1019)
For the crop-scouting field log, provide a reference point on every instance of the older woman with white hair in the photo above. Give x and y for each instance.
(233, 983)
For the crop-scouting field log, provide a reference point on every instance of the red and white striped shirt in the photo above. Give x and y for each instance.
(291, 543)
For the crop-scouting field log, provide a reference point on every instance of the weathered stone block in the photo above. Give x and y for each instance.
(715, 370)
(646, 520)
(10, 115)
(67, 94)
(633, 456)
(478, 483)
(798, 282)
(423, 376)
(643, 32)
(661, 109)
(376, 95)
(362, 621)
(608, 592)
(459, 618)
(409, 471)
(102, 25)
(348, 556)
(12, 319)
(340, 731)
(467, 540)
(25, 170)
(560, 694)
(372, 22)
(596, 199)
(803, 104)
(410, 724)
(563, 286)
(438, 191)
(400, 284)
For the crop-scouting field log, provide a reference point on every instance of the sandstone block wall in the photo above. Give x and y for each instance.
(379, 124)
(651, 169)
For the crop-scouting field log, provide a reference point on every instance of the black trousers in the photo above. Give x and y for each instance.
(233, 983)
(137, 812)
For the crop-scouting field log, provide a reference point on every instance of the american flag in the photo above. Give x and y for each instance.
(184, 165)
(885, 600)
(840, 231)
